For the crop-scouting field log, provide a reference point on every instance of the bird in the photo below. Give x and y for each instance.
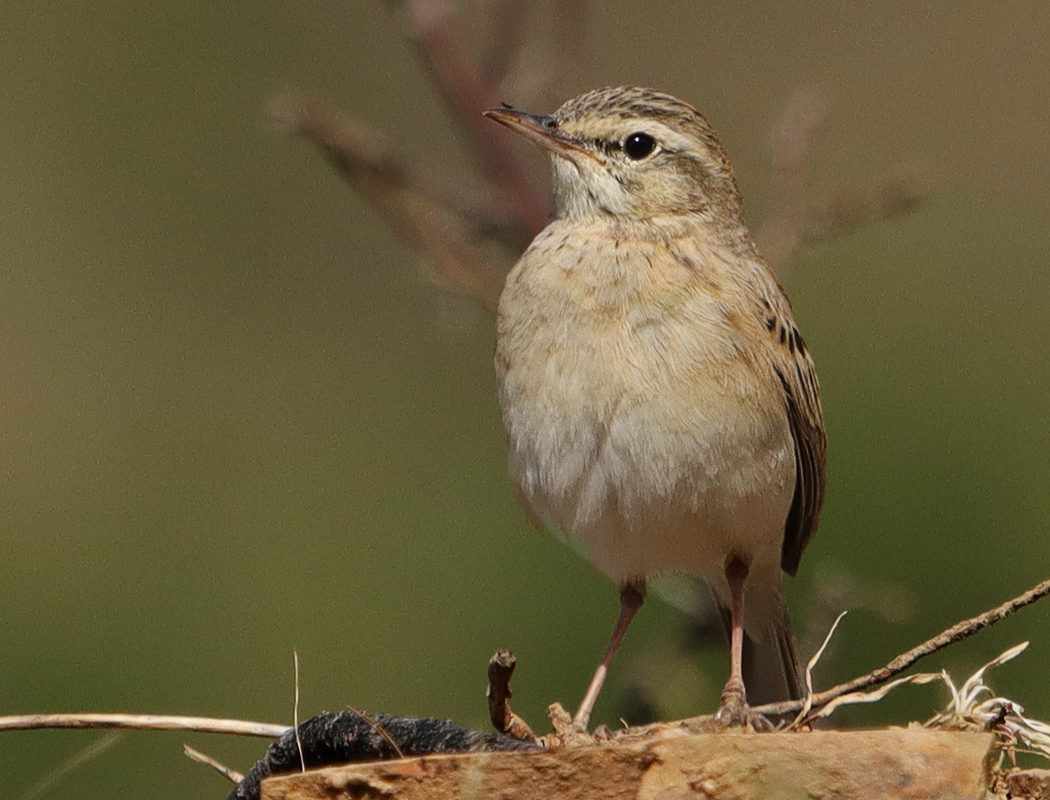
(659, 402)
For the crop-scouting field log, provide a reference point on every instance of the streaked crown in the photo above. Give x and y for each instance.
(652, 154)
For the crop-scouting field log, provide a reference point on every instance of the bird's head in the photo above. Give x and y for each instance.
(631, 153)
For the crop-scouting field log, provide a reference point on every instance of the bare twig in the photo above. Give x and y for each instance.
(151, 722)
(956, 633)
(78, 759)
(230, 774)
(371, 167)
(501, 668)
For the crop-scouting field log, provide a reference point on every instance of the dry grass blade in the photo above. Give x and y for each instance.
(854, 698)
(295, 712)
(807, 701)
(965, 707)
(968, 711)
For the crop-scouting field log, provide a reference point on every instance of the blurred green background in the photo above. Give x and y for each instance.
(235, 420)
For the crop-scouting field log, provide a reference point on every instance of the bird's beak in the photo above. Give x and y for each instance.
(544, 132)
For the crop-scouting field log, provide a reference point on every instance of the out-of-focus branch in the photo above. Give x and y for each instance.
(791, 141)
(570, 28)
(901, 193)
(374, 170)
(791, 220)
(432, 26)
(508, 24)
(81, 757)
(443, 217)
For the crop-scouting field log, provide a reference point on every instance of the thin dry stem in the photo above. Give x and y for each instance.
(152, 722)
(807, 699)
(201, 758)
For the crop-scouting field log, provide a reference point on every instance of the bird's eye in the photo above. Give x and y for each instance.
(638, 146)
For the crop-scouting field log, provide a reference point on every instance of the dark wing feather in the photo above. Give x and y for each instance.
(807, 430)
(798, 379)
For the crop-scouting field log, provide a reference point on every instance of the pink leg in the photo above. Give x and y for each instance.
(632, 595)
(734, 693)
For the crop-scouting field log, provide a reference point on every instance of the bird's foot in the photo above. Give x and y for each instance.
(736, 713)
(567, 731)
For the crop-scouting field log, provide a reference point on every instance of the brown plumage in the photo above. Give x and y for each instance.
(660, 404)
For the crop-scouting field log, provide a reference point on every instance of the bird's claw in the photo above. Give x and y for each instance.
(736, 713)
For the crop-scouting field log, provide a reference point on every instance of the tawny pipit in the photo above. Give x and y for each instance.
(659, 401)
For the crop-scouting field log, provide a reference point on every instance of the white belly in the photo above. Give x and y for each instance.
(646, 497)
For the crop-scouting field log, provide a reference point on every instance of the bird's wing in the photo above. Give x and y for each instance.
(794, 368)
